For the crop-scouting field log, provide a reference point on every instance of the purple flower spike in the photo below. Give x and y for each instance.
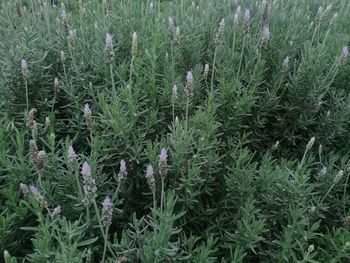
(86, 170)
(163, 155)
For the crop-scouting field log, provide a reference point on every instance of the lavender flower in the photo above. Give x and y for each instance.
(338, 176)
(265, 35)
(109, 46)
(174, 93)
(63, 57)
(170, 24)
(322, 174)
(310, 144)
(319, 14)
(107, 211)
(33, 149)
(189, 84)
(56, 211)
(64, 20)
(343, 57)
(286, 64)
(31, 118)
(345, 52)
(86, 170)
(38, 157)
(122, 171)
(88, 116)
(246, 26)
(37, 195)
(64, 17)
(72, 33)
(235, 19)
(72, 156)
(47, 124)
(89, 184)
(238, 11)
(220, 34)
(267, 12)
(206, 70)
(177, 34)
(134, 43)
(162, 164)
(56, 85)
(150, 178)
(24, 188)
(24, 67)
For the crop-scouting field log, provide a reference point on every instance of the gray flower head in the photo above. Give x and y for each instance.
(109, 45)
(107, 211)
(150, 178)
(72, 156)
(177, 34)
(286, 63)
(37, 195)
(134, 43)
(89, 184)
(220, 33)
(189, 84)
(63, 56)
(56, 211)
(246, 26)
(174, 93)
(24, 188)
(72, 33)
(310, 144)
(88, 115)
(64, 16)
(24, 67)
(122, 171)
(162, 164)
(170, 23)
(206, 70)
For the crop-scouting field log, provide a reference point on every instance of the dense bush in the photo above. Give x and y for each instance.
(204, 131)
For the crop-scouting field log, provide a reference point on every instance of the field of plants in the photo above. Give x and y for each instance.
(174, 131)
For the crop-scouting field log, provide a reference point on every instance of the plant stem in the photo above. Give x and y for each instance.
(213, 72)
(76, 172)
(112, 78)
(27, 95)
(105, 245)
(162, 195)
(344, 193)
(186, 116)
(154, 200)
(131, 69)
(241, 58)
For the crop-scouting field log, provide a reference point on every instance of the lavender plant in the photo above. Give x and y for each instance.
(174, 131)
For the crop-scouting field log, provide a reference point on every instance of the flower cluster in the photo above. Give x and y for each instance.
(150, 178)
(88, 116)
(162, 164)
(109, 46)
(189, 84)
(72, 156)
(37, 156)
(107, 211)
(122, 171)
(89, 184)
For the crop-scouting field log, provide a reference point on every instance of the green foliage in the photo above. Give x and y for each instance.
(131, 149)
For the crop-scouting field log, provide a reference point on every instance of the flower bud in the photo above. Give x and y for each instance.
(206, 70)
(310, 144)
(134, 43)
(24, 67)
(150, 178)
